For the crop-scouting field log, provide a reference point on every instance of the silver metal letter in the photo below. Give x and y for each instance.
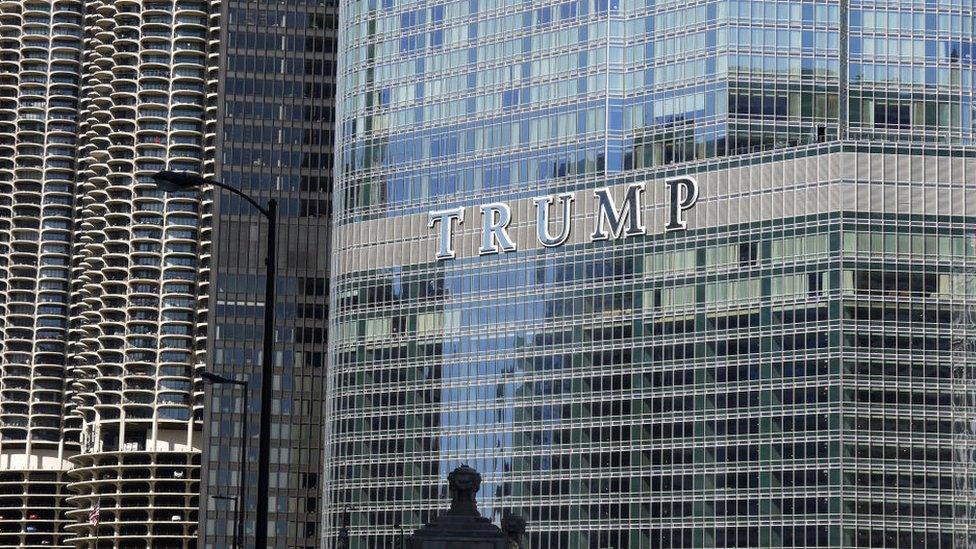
(494, 218)
(445, 245)
(629, 212)
(542, 219)
(684, 195)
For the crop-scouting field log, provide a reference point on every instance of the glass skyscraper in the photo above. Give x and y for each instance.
(745, 317)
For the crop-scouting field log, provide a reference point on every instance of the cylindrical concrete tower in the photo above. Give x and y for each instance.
(40, 48)
(136, 273)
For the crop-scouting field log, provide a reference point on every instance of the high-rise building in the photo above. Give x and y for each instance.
(103, 276)
(40, 63)
(669, 274)
(105, 281)
(139, 271)
(275, 140)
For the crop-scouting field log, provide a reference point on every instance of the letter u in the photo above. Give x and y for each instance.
(542, 220)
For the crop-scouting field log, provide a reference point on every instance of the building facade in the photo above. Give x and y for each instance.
(669, 274)
(107, 284)
(140, 265)
(275, 119)
(40, 63)
(103, 275)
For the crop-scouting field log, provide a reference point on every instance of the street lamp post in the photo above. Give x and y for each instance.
(240, 501)
(238, 520)
(183, 181)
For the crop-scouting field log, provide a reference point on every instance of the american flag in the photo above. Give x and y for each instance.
(95, 514)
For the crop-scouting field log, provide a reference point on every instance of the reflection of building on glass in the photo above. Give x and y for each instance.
(963, 399)
(685, 365)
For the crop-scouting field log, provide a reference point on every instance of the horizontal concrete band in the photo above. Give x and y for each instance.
(838, 181)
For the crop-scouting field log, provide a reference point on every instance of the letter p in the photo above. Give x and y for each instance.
(684, 195)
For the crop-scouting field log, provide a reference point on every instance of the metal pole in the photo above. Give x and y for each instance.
(242, 486)
(236, 516)
(267, 379)
(237, 522)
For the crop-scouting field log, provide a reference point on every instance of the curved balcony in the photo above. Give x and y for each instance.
(141, 494)
(33, 509)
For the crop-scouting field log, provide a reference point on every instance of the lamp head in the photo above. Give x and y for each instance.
(172, 182)
(214, 378)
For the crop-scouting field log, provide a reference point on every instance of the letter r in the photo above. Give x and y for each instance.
(495, 218)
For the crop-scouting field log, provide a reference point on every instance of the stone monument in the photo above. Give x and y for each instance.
(514, 527)
(461, 526)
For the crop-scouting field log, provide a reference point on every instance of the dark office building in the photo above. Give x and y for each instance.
(274, 134)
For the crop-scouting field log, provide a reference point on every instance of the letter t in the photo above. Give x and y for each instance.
(445, 244)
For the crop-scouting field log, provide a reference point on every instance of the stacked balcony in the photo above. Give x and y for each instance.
(102, 277)
(40, 64)
(138, 280)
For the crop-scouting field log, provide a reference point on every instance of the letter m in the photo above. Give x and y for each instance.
(608, 216)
